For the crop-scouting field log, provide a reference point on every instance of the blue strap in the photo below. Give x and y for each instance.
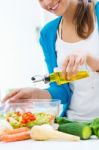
(63, 110)
(97, 13)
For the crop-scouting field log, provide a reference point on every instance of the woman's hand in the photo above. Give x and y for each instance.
(72, 63)
(26, 94)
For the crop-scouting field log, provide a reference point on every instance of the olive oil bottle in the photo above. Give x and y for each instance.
(58, 78)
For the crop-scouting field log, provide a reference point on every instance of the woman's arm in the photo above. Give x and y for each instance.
(25, 94)
(93, 62)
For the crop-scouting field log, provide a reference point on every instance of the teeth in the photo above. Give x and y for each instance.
(54, 7)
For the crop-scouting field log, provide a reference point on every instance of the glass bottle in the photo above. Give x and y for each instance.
(58, 78)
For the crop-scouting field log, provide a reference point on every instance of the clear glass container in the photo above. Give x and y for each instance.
(30, 113)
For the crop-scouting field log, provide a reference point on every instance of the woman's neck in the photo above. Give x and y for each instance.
(69, 14)
(68, 32)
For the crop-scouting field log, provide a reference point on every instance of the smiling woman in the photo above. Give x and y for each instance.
(70, 42)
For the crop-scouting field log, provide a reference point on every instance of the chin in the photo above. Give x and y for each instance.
(59, 13)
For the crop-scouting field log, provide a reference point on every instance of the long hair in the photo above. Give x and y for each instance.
(84, 18)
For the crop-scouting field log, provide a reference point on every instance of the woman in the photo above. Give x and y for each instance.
(70, 42)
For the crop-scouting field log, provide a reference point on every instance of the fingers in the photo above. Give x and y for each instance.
(76, 65)
(16, 97)
(71, 65)
(69, 68)
(65, 64)
(11, 94)
(82, 61)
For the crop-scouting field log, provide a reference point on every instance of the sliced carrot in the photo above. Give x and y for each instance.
(15, 137)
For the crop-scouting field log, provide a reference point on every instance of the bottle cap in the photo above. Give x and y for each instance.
(37, 78)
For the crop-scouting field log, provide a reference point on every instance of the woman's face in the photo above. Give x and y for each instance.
(57, 7)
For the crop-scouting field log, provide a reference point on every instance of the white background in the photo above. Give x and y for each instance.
(20, 54)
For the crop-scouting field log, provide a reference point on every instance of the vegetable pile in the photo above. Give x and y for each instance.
(17, 126)
(82, 129)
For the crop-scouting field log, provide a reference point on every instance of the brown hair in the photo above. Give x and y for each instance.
(84, 19)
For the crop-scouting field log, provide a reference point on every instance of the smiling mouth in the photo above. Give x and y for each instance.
(53, 8)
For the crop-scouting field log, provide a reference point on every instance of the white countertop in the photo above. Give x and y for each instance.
(92, 144)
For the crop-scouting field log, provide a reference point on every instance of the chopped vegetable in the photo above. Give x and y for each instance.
(28, 119)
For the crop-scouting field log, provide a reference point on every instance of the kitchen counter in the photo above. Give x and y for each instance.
(92, 144)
